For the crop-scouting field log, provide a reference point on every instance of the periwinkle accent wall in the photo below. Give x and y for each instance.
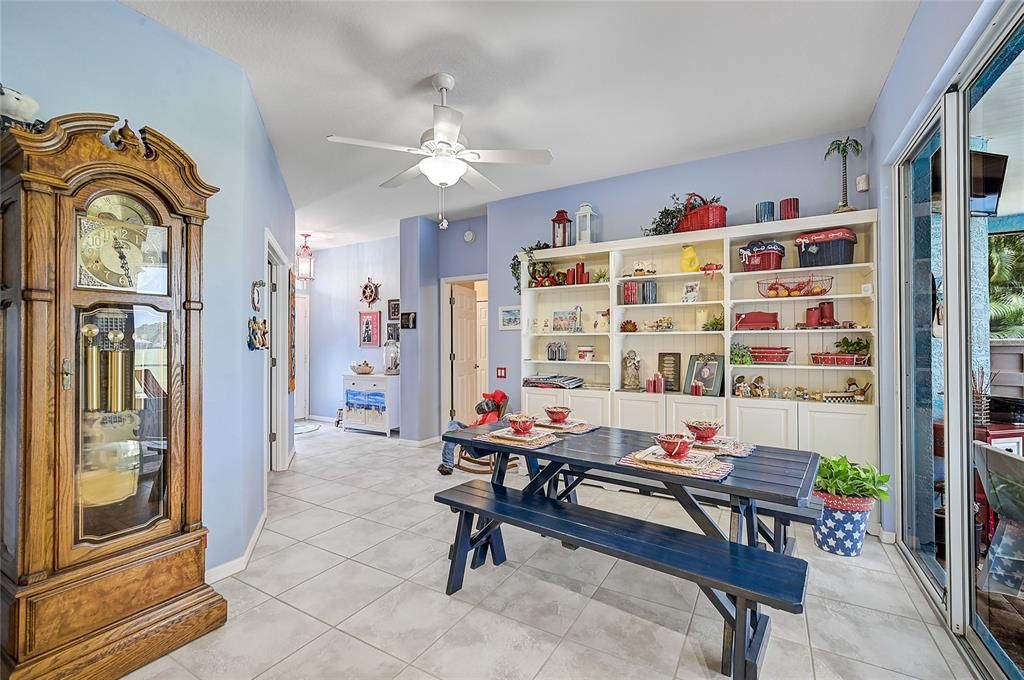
(627, 202)
(419, 239)
(334, 315)
(156, 78)
(458, 258)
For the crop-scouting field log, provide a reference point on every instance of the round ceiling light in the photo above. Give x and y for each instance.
(442, 171)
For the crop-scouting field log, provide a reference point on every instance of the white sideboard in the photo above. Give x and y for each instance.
(371, 402)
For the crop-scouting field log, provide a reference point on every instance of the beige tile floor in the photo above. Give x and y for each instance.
(347, 582)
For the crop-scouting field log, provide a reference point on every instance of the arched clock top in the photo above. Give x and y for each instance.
(80, 147)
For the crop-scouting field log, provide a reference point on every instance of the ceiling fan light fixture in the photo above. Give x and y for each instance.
(443, 171)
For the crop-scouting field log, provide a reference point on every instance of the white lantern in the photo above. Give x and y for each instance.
(586, 224)
(304, 261)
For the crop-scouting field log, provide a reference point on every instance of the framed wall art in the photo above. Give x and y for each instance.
(408, 320)
(510, 318)
(369, 329)
(670, 367)
(394, 309)
(709, 371)
(393, 330)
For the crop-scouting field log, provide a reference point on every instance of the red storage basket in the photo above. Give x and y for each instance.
(770, 355)
(826, 248)
(759, 256)
(707, 216)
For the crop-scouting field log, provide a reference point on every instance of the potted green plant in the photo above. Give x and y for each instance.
(667, 218)
(849, 491)
(843, 148)
(739, 355)
(514, 267)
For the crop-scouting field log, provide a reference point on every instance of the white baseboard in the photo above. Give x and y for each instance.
(222, 571)
(322, 419)
(422, 442)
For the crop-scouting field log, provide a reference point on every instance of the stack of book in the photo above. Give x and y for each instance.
(639, 292)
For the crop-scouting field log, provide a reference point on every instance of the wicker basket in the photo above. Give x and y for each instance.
(839, 359)
(707, 216)
(770, 355)
(805, 286)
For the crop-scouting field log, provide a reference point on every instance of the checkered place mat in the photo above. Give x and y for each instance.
(715, 471)
(578, 428)
(546, 440)
(735, 449)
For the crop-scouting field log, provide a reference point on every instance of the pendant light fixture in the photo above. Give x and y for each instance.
(304, 261)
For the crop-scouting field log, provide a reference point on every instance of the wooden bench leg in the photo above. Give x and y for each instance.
(459, 552)
(735, 534)
(739, 643)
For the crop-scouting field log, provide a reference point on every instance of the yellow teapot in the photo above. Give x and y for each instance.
(688, 260)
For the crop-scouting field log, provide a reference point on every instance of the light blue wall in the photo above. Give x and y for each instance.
(627, 202)
(458, 258)
(334, 306)
(938, 40)
(105, 57)
(419, 249)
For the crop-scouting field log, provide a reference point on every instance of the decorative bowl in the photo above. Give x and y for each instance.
(558, 414)
(675, 444)
(704, 430)
(361, 369)
(521, 423)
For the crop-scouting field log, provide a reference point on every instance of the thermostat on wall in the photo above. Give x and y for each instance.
(469, 236)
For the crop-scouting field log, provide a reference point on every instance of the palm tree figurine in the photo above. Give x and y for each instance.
(844, 147)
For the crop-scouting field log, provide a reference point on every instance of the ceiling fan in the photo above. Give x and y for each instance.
(446, 151)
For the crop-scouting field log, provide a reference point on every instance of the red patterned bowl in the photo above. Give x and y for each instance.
(675, 444)
(558, 414)
(521, 423)
(704, 430)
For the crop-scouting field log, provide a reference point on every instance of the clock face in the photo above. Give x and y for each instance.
(121, 246)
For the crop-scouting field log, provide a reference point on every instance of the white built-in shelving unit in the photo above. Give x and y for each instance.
(825, 427)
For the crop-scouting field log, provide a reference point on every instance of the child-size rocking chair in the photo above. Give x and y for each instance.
(484, 465)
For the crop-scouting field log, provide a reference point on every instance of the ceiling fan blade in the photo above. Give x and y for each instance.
(403, 177)
(522, 156)
(375, 145)
(447, 124)
(476, 180)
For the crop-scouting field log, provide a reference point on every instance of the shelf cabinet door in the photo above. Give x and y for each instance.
(840, 429)
(768, 422)
(591, 406)
(680, 408)
(536, 399)
(639, 411)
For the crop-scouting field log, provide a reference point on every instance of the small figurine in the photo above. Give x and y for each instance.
(631, 371)
(639, 268)
(775, 393)
(601, 320)
(711, 269)
(862, 393)
(561, 278)
(688, 260)
(817, 396)
(757, 386)
(787, 392)
(851, 385)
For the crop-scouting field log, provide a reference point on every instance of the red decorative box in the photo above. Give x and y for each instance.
(757, 321)
(838, 359)
(770, 355)
(759, 256)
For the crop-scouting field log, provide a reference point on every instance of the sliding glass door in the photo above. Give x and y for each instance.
(994, 218)
(923, 406)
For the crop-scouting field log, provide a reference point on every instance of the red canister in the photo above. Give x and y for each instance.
(579, 270)
(789, 208)
(570, 276)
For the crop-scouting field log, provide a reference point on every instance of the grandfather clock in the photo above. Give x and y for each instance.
(103, 555)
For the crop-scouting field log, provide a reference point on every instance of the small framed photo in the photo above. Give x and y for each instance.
(510, 318)
(709, 371)
(408, 320)
(691, 291)
(393, 330)
(566, 322)
(369, 329)
(394, 309)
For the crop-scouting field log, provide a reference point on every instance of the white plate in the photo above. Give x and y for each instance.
(511, 435)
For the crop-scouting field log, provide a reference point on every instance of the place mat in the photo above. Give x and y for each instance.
(546, 440)
(726, 446)
(715, 471)
(564, 425)
(573, 426)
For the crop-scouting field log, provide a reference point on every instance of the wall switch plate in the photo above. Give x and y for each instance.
(863, 183)
(501, 372)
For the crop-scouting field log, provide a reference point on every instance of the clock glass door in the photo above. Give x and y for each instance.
(121, 247)
(122, 459)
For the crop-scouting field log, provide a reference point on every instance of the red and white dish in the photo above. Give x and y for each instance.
(511, 435)
(564, 425)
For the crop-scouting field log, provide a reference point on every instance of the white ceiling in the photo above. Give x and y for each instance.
(610, 88)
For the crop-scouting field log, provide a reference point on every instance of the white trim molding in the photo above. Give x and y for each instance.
(231, 567)
(422, 442)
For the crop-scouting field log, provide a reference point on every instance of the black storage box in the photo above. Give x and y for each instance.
(825, 248)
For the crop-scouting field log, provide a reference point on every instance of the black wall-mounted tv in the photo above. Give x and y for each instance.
(987, 173)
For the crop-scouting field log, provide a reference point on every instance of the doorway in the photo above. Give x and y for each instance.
(464, 339)
(274, 308)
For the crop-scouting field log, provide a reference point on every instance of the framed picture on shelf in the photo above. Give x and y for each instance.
(509, 318)
(570, 321)
(369, 329)
(708, 370)
(670, 367)
(691, 291)
(393, 330)
(394, 309)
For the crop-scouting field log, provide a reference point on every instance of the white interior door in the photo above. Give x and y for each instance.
(464, 389)
(481, 346)
(301, 356)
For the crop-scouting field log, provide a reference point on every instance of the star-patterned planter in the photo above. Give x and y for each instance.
(843, 524)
